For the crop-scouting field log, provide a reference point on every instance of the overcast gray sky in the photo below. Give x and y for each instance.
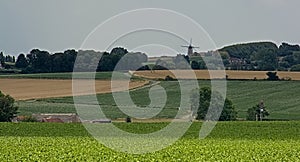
(56, 25)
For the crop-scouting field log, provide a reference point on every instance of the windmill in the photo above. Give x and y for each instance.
(190, 48)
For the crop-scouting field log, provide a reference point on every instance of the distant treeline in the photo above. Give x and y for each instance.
(6, 59)
(249, 56)
(38, 61)
(262, 56)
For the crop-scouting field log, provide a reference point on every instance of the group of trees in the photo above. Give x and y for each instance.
(178, 62)
(38, 61)
(256, 113)
(204, 100)
(263, 56)
(250, 56)
(4, 60)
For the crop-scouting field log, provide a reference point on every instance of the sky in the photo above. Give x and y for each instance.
(58, 25)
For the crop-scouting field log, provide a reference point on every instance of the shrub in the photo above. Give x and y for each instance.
(7, 108)
(272, 76)
(169, 78)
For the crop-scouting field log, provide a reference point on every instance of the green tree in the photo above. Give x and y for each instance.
(182, 62)
(287, 49)
(195, 65)
(9, 58)
(39, 61)
(257, 111)
(228, 112)
(7, 108)
(105, 63)
(21, 61)
(2, 58)
(272, 76)
(267, 59)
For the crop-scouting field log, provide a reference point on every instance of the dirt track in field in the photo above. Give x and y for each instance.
(24, 89)
(204, 74)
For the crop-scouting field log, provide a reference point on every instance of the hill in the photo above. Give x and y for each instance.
(246, 50)
(261, 56)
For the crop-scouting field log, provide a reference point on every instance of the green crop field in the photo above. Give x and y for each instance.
(282, 99)
(229, 141)
(68, 75)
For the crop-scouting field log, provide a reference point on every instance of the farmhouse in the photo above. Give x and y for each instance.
(57, 117)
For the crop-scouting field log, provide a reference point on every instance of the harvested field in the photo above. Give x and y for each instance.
(24, 89)
(204, 74)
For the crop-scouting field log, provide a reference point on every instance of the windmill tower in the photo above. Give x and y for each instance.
(190, 48)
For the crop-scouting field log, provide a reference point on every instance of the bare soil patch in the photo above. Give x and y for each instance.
(24, 89)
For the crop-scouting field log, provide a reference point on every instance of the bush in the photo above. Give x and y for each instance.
(128, 120)
(169, 78)
(272, 76)
(7, 108)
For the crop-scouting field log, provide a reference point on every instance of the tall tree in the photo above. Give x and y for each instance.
(2, 58)
(257, 112)
(21, 61)
(39, 60)
(228, 112)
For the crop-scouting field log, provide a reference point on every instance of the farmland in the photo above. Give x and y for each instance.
(266, 141)
(281, 99)
(204, 74)
(229, 141)
(24, 89)
(67, 75)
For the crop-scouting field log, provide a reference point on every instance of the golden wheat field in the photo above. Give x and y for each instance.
(24, 89)
(204, 74)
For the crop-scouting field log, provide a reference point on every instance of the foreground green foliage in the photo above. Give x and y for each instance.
(229, 141)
